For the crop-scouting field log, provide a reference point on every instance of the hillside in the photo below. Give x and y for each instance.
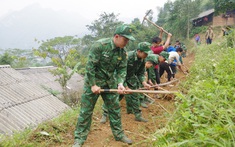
(202, 115)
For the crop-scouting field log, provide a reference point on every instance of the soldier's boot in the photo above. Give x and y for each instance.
(76, 144)
(150, 101)
(103, 119)
(144, 105)
(129, 111)
(138, 117)
(126, 140)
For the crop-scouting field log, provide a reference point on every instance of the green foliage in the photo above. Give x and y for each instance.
(105, 26)
(6, 59)
(18, 58)
(197, 30)
(64, 54)
(222, 6)
(205, 115)
(230, 38)
(51, 91)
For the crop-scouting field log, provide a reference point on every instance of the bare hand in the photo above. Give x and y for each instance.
(121, 89)
(95, 89)
(147, 86)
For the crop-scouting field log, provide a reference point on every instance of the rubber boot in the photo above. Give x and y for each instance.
(103, 119)
(138, 117)
(126, 140)
(76, 144)
(144, 105)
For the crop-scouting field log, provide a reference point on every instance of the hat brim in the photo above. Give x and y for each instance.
(129, 37)
(164, 57)
(147, 52)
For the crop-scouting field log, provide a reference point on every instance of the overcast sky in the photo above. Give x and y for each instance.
(91, 9)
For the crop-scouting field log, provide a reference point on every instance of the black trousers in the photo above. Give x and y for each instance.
(163, 66)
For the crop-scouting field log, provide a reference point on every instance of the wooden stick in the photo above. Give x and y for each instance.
(139, 91)
(155, 25)
(149, 98)
(163, 84)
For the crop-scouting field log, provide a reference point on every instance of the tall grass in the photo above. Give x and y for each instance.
(205, 116)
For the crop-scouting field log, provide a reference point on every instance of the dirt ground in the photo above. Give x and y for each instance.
(157, 114)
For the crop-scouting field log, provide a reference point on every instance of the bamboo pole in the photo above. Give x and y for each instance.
(140, 91)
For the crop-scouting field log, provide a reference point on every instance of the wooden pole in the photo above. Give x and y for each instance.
(155, 25)
(140, 91)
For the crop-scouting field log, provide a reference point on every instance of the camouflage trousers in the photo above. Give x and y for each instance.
(132, 104)
(88, 102)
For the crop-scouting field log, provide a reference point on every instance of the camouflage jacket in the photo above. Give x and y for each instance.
(151, 74)
(135, 70)
(106, 64)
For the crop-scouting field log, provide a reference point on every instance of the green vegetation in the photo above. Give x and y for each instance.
(205, 113)
(50, 133)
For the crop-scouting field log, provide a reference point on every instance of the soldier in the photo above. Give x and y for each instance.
(151, 61)
(106, 68)
(134, 79)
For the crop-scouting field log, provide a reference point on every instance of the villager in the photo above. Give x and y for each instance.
(179, 44)
(174, 60)
(111, 52)
(209, 35)
(157, 48)
(197, 39)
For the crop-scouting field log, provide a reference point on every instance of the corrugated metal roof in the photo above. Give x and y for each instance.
(23, 102)
(42, 76)
(205, 13)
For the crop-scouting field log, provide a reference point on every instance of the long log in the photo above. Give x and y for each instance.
(140, 91)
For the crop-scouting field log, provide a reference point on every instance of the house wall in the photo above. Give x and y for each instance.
(222, 21)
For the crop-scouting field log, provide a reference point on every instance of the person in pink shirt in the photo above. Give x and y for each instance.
(157, 48)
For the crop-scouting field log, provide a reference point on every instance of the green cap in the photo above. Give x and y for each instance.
(153, 58)
(124, 30)
(144, 47)
(164, 54)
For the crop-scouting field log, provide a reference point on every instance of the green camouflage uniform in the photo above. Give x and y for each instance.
(150, 72)
(105, 60)
(134, 78)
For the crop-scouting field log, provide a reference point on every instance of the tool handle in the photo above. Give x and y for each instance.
(139, 91)
(155, 25)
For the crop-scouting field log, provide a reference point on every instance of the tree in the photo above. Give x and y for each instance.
(6, 59)
(64, 54)
(176, 16)
(104, 26)
(222, 6)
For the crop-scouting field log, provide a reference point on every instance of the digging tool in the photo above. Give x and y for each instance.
(145, 18)
(163, 84)
(187, 70)
(140, 91)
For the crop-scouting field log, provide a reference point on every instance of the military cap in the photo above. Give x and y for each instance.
(124, 30)
(153, 58)
(164, 54)
(144, 47)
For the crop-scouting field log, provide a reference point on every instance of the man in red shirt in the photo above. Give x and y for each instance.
(157, 48)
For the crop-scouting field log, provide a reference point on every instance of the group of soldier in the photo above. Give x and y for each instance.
(109, 66)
